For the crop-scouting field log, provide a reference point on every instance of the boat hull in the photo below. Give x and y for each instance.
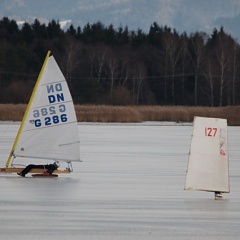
(34, 170)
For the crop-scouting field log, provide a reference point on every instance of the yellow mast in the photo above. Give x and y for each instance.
(27, 110)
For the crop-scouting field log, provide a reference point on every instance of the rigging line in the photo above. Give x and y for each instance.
(18, 74)
(148, 77)
(119, 78)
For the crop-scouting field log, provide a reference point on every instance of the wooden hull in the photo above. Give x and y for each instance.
(34, 170)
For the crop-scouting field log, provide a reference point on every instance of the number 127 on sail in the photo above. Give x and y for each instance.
(210, 132)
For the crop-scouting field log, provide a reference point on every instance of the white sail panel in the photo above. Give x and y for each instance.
(208, 159)
(50, 129)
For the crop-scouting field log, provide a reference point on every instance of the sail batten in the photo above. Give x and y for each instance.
(70, 143)
(48, 127)
(54, 104)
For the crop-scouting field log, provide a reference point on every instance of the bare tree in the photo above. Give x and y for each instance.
(112, 69)
(196, 56)
(173, 52)
(222, 58)
(209, 87)
(72, 48)
(124, 71)
(138, 77)
(183, 59)
(235, 69)
(101, 55)
(97, 58)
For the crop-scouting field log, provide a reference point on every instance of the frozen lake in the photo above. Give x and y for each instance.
(129, 186)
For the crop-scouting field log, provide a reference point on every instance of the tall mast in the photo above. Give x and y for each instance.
(27, 110)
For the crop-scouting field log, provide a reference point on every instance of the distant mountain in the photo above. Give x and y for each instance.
(183, 15)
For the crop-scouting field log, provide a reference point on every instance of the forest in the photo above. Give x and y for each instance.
(116, 66)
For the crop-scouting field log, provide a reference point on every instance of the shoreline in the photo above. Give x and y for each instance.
(134, 114)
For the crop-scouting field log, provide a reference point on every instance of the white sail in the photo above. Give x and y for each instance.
(49, 129)
(208, 159)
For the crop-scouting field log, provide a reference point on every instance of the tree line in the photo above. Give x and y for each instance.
(104, 65)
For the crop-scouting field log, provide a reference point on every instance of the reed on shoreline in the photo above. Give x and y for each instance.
(124, 114)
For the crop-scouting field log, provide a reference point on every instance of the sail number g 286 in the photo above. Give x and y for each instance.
(51, 115)
(51, 120)
(210, 132)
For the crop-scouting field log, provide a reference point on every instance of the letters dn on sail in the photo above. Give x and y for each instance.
(56, 111)
(58, 97)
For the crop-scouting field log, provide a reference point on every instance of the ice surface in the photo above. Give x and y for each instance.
(129, 186)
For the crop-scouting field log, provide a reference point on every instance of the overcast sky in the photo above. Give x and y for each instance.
(183, 15)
